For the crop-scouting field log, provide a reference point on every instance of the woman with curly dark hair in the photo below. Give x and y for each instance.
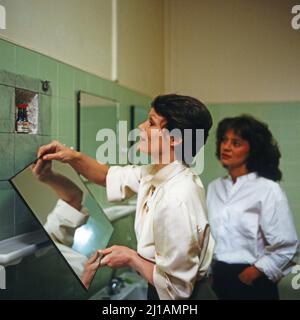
(256, 241)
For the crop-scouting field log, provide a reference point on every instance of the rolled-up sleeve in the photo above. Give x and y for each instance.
(63, 221)
(122, 182)
(177, 250)
(281, 251)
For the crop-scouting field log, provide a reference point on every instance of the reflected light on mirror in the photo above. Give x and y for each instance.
(82, 236)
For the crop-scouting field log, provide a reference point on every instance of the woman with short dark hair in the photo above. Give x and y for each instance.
(170, 221)
(256, 241)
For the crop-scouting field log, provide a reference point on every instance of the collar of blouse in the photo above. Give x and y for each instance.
(164, 174)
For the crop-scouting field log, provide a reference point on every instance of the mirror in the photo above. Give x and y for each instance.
(95, 113)
(68, 213)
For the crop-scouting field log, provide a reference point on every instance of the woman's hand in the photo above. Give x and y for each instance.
(90, 269)
(88, 167)
(57, 151)
(65, 188)
(42, 170)
(118, 256)
(250, 274)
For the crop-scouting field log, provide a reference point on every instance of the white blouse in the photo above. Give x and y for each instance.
(170, 219)
(251, 223)
(61, 225)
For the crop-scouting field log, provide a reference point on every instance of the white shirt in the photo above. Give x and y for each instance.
(251, 223)
(170, 216)
(61, 225)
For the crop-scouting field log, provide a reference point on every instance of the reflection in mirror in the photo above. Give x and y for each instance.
(95, 113)
(68, 213)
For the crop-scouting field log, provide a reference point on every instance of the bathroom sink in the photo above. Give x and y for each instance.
(132, 287)
(138, 293)
(14, 249)
(116, 212)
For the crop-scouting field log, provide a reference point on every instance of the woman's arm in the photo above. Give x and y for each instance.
(90, 268)
(63, 187)
(279, 231)
(84, 165)
(144, 267)
(250, 274)
(120, 256)
(117, 257)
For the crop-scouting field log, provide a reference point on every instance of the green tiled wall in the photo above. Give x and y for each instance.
(48, 277)
(7, 142)
(25, 149)
(8, 56)
(7, 78)
(26, 62)
(7, 109)
(284, 122)
(7, 197)
(44, 121)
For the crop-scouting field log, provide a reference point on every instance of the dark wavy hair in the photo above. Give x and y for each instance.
(184, 112)
(264, 152)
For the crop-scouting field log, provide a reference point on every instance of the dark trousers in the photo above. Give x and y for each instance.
(152, 293)
(227, 285)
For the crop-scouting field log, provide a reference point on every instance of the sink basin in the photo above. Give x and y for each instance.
(14, 249)
(116, 212)
(133, 288)
(138, 293)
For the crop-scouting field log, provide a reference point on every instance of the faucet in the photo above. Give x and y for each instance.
(115, 284)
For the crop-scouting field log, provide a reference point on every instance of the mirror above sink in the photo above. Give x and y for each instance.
(96, 113)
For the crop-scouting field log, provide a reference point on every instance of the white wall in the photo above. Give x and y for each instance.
(141, 45)
(218, 51)
(233, 50)
(79, 32)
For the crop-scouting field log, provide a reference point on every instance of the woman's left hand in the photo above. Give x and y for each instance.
(117, 256)
(90, 269)
(248, 275)
(42, 170)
